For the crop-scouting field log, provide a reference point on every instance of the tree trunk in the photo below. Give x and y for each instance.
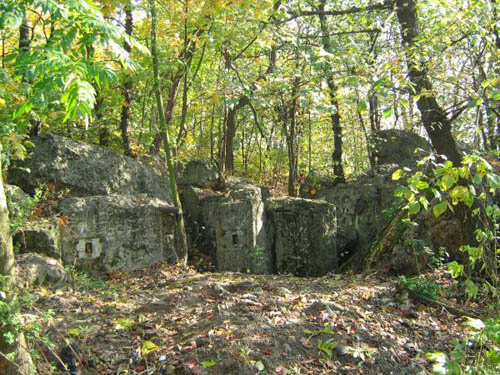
(127, 85)
(434, 118)
(230, 130)
(181, 240)
(22, 362)
(338, 169)
(291, 138)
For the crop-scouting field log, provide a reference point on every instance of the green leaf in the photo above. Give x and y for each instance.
(493, 181)
(495, 95)
(362, 107)
(259, 366)
(414, 208)
(22, 110)
(476, 179)
(208, 364)
(388, 112)
(397, 174)
(447, 181)
(424, 202)
(475, 103)
(459, 194)
(74, 332)
(440, 208)
(455, 268)
(421, 185)
(471, 288)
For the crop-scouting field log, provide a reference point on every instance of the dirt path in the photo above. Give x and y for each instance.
(176, 321)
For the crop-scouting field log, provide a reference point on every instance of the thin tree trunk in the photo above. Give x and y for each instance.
(212, 119)
(181, 238)
(231, 132)
(102, 128)
(338, 169)
(127, 85)
(292, 142)
(434, 118)
(371, 158)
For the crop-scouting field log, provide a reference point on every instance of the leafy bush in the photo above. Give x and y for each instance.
(421, 286)
(476, 354)
(470, 188)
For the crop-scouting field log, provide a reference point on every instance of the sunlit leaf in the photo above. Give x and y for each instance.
(397, 174)
(208, 364)
(149, 347)
(439, 208)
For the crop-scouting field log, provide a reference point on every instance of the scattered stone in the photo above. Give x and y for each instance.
(39, 237)
(86, 169)
(398, 146)
(200, 174)
(39, 269)
(15, 194)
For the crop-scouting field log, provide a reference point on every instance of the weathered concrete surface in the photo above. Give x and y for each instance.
(19, 203)
(38, 269)
(200, 174)
(15, 194)
(86, 169)
(241, 233)
(39, 237)
(304, 235)
(199, 207)
(394, 146)
(359, 209)
(116, 232)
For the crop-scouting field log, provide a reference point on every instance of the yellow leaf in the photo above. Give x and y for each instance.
(397, 174)
(45, 292)
(74, 332)
(149, 347)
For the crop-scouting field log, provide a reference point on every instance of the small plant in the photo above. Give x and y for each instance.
(257, 253)
(421, 286)
(84, 280)
(9, 313)
(327, 347)
(21, 209)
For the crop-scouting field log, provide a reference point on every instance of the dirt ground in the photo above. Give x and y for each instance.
(173, 320)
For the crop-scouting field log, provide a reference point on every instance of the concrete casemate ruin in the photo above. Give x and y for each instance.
(115, 213)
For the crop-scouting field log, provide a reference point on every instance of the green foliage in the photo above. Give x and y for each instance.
(9, 317)
(477, 354)
(20, 211)
(470, 187)
(57, 74)
(327, 347)
(422, 286)
(85, 281)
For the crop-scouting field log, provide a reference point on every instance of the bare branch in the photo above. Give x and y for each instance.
(294, 15)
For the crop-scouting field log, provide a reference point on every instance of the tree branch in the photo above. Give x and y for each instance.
(387, 4)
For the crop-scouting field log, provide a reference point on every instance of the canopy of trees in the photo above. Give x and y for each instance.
(267, 89)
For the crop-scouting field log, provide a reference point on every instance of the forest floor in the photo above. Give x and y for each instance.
(174, 320)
